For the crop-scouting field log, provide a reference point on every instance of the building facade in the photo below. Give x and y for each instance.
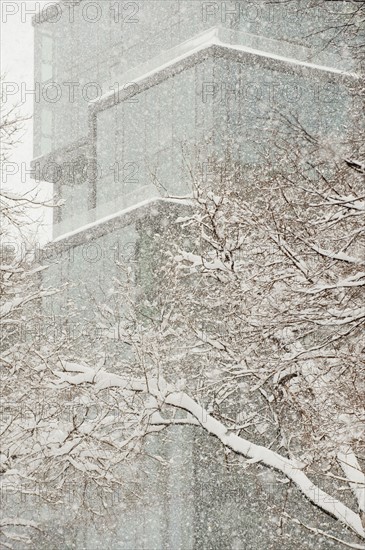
(133, 98)
(122, 87)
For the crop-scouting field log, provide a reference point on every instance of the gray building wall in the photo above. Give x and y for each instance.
(124, 86)
(196, 80)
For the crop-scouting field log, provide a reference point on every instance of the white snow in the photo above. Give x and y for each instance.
(114, 216)
(166, 395)
(341, 256)
(352, 471)
(212, 37)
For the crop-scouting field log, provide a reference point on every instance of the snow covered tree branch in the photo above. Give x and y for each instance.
(166, 395)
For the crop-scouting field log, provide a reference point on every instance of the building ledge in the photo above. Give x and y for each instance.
(214, 42)
(278, 51)
(121, 218)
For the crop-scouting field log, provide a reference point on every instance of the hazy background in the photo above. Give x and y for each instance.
(17, 65)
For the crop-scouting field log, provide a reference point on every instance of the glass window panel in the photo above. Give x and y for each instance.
(46, 145)
(164, 109)
(134, 130)
(47, 48)
(152, 120)
(46, 71)
(184, 106)
(105, 188)
(130, 178)
(47, 121)
(106, 134)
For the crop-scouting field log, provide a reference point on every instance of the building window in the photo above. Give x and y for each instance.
(47, 58)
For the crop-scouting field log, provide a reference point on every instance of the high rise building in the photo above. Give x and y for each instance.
(123, 85)
(129, 96)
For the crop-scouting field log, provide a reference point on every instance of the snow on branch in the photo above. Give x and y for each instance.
(341, 256)
(353, 473)
(355, 280)
(165, 394)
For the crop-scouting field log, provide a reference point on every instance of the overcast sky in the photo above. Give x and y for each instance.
(17, 65)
